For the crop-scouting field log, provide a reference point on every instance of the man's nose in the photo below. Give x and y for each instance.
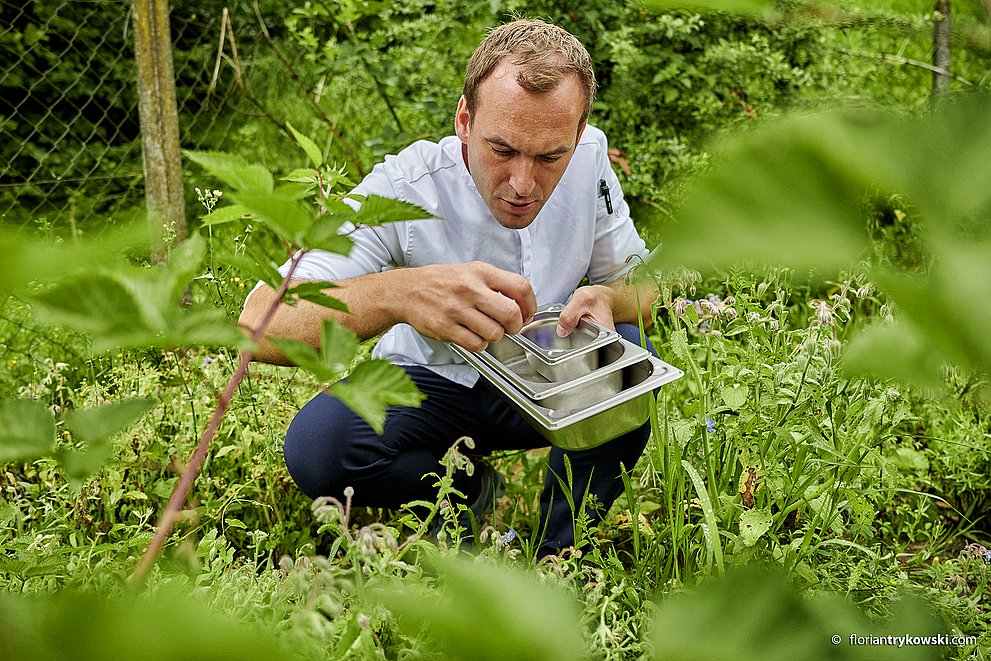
(521, 177)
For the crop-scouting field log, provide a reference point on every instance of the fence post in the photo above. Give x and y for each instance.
(159, 124)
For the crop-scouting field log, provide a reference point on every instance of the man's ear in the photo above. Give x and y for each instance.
(462, 120)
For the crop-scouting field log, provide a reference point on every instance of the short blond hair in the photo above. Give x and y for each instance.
(545, 53)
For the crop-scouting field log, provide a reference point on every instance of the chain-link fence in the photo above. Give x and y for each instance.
(70, 148)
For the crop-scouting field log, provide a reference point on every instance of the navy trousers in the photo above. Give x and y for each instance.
(328, 448)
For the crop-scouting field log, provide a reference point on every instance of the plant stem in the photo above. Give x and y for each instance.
(185, 485)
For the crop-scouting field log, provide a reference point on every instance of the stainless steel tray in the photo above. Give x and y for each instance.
(561, 358)
(590, 425)
(510, 360)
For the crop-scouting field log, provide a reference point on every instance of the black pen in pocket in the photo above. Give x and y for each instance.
(604, 192)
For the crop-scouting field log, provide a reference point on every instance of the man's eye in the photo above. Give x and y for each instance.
(503, 152)
(550, 159)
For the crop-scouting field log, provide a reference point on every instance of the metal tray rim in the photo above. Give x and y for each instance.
(551, 419)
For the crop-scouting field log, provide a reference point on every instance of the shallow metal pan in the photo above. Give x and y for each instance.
(561, 358)
(510, 360)
(587, 426)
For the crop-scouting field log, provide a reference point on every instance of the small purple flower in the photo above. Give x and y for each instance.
(207, 361)
(710, 425)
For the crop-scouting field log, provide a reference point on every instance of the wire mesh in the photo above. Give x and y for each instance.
(70, 148)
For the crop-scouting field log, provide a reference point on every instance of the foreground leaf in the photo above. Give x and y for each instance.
(372, 387)
(488, 612)
(95, 427)
(91, 627)
(27, 431)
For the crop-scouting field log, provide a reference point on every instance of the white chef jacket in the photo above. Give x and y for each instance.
(573, 236)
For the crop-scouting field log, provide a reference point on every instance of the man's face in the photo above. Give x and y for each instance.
(519, 143)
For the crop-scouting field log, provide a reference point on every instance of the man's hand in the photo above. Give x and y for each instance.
(607, 305)
(593, 301)
(471, 305)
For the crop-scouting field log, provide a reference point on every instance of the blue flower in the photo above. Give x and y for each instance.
(710, 425)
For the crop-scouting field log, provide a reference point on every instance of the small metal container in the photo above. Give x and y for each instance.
(577, 419)
(510, 360)
(562, 358)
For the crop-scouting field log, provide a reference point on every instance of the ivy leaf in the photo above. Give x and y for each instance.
(95, 427)
(309, 147)
(27, 430)
(234, 171)
(372, 387)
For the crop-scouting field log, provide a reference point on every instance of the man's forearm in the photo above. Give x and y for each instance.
(367, 298)
(468, 304)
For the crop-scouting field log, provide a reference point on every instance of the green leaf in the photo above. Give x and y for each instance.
(95, 427)
(735, 396)
(308, 146)
(325, 234)
(27, 430)
(753, 524)
(314, 292)
(243, 177)
(679, 343)
(100, 627)
(737, 6)
(224, 215)
(759, 615)
(372, 387)
(338, 347)
(280, 213)
(710, 528)
(487, 611)
(185, 261)
(789, 193)
(98, 424)
(98, 303)
(255, 265)
(376, 210)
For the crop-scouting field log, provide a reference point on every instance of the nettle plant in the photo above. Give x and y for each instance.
(121, 304)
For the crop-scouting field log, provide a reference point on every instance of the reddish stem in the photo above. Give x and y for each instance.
(185, 485)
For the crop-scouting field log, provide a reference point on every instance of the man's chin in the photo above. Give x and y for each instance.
(515, 222)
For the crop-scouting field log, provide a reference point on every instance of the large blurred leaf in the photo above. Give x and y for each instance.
(95, 427)
(756, 615)
(372, 387)
(791, 193)
(27, 430)
(234, 171)
(487, 612)
(739, 6)
(89, 627)
(25, 258)
(134, 306)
